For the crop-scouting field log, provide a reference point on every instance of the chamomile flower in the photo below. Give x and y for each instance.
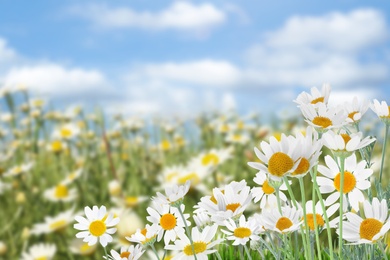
(382, 110)
(319, 216)
(128, 225)
(237, 138)
(202, 244)
(315, 97)
(40, 251)
(145, 236)
(174, 195)
(127, 253)
(323, 118)
(370, 229)
(355, 110)
(278, 158)
(355, 180)
(243, 231)
(97, 226)
(78, 247)
(167, 220)
(265, 193)
(66, 132)
(72, 176)
(213, 157)
(60, 192)
(57, 146)
(287, 222)
(202, 219)
(18, 169)
(53, 224)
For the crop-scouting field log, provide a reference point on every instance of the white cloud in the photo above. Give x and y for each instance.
(6, 53)
(180, 15)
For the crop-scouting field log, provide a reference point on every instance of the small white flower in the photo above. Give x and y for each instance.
(382, 110)
(344, 142)
(97, 226)
(287, 222)
(127, 253)
(319, 216)
(40, 251)
(18, 169)
(144, 236)
(242, 232)
(60, 193)
(52, 224)
(173, 195)
(355, 110)
(315, 97)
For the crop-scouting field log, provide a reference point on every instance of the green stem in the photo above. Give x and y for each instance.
(278, 199)
(105, 252)
(188, 231)
(307, 239)
(290, 192)
(155, 251)
(218, 255)
(247, 252)
(313, 176)
(383, 250)
(342, 162)
(383, 152)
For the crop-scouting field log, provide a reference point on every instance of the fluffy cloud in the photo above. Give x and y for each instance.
(180, 16)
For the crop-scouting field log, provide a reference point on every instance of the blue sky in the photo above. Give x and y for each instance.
(182, 57)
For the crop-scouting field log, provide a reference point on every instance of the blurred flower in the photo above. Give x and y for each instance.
(53, 224)
(72, 176)
(97, 226)
(57, 146)
(60, 193)
(19, 169)
(78, 247)
(235, 138)
(66, 132)
(3, 248)
(40, 251)
(213, 157)
(128, 224)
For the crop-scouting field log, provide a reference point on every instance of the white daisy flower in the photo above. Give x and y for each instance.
(237, 138)
(66, 132)
(72, 176)
(382, 110)
(242, 232)
(57, 146)
(315, 97)
(355, 110)
(40, 251)
(78, 247)
(213, 157)
(52, 224)
(127, 253)
(167, 220)
(287, 222)
(60, 193)
(323, 118)
(355, 180)
(320, 215)
(278, 158)
(173, 195)
(18, 169)
(97, 226)
(370, 229)
(265, 193)
(202, 244)
(202, 219)
(144, 236)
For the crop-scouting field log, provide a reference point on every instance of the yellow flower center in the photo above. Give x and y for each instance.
(144, 231)
(279, 164)
(165, 145)
(41, 258)
(97, 228)
(321, 121)
(131, 201)
(317, 100)
(283, 223)
(168, 221)
(267, 189)
(242, 232)
(171, 175)
(346, 138)
(61, 191)
(56, 146)
(310, 220)
(17, 170)
(193, 177)
(199, 247)
(303, 167)
(66, 132)
(369, 228)
(210, 158)
(72, 176)
(59, 224)
(224, 128)
(232, 206)
(349, 182)
(85, 247)
(352, 114)
(125, 254)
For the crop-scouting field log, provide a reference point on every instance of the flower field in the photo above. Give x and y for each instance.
(86, 185)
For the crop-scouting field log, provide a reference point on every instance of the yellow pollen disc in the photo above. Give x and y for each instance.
(61, 191)
(193, 177)
(346, 138)
(278, 136)
(17, 169)
(97, 228)
(310, 220)
(349, 182)
(41, 258)
(165, 145)
(131, 201)
(65, 132)
(321, 121)
(317, 100)
(283, 223)
(144, 231)
(224, 128)
(125, 255)
(58, 224)
(267, 189)
(84, 247)
(236, 137)
(279, 164)
(56, 146)
(210, 158)
(232, 206)
(303, 167)
(242, 232)
(369, 228)
(351, 115)
(168, 221)
(199, 247)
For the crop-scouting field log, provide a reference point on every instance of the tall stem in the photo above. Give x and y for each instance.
(278, 199)
(155, 251)
(247, 252)
(342, 162)
(383, 152)
(317, 235)
(307, 239)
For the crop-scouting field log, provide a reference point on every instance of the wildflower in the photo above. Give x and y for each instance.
(355, 180)
(382, 110)
(242, 232)
(202, 219)
(129, 201)
(97, 226)
(266, 193)
(18, 169)
(370, 229)
(202, 245)
(52, 224)
(355, 110)
(127, 253)
(66, 132)
(167, 220)
(60, 193)
(213, 157)
(72, 176)
(287, 222)
(40, 251)
(57, 146)
(319, 216)
(129, 223)
(315, 97)
(235, 138)
(78, 247)
(146, 236)
(174, 195)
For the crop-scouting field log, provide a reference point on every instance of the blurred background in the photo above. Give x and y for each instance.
(183, 57)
